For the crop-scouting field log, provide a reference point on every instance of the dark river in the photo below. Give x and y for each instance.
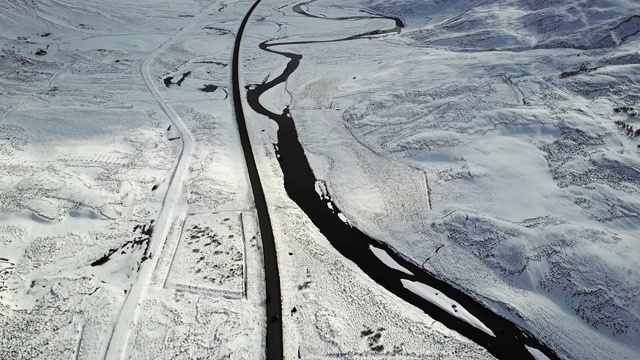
(447, 304)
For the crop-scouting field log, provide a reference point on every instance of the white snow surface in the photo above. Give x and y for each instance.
(94, 150)
(435, 297)
(492, 141)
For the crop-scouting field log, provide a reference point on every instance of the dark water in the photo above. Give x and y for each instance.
(209, 88)
(168, 81)
(184, 76)
(212, 62)
(213, 88)
(300, 184)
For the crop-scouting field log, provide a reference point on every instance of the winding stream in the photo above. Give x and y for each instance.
(440, 300)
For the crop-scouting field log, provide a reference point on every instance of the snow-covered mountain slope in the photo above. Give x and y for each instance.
(481, 25)
(523, 116)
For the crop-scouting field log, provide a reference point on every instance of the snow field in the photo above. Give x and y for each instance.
(531, 169)
(89, 154)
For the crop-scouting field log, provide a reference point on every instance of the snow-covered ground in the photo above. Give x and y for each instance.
(493, 142)
(119, 232)
(127, 227)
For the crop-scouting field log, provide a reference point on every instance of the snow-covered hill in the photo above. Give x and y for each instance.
(523, 116)
(481, 25)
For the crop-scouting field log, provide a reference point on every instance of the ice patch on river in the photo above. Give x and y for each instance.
(388, 260)
(321, 189)
(437, 298)
(537, 354)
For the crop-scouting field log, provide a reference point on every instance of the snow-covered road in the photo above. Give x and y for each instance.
(118, 344)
